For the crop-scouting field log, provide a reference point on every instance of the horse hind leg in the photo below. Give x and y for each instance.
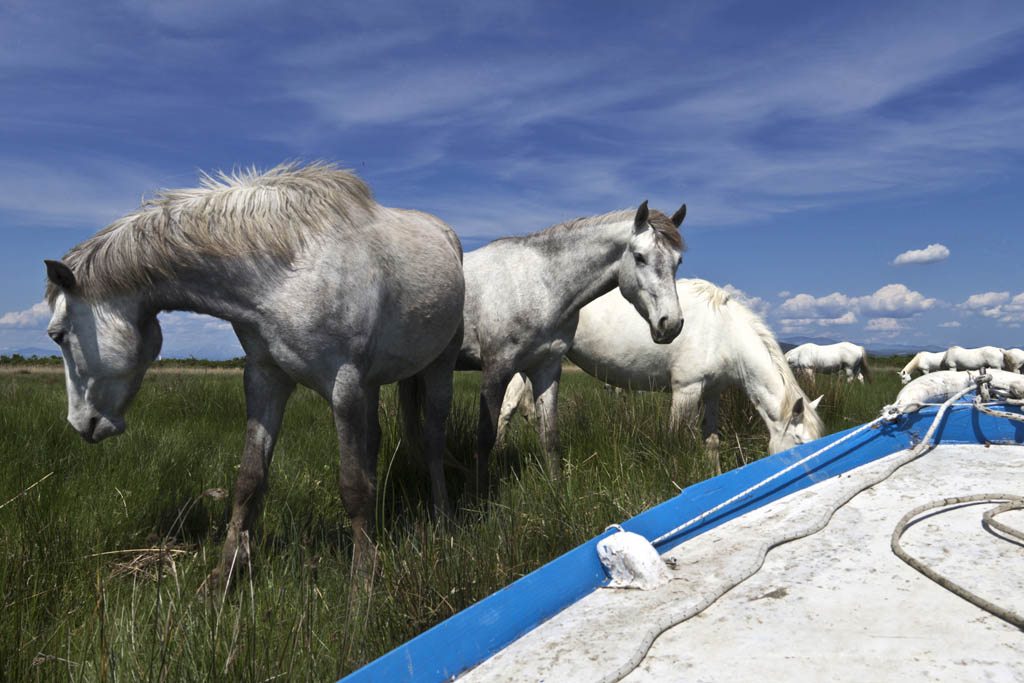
(267, 389)
(434, 384)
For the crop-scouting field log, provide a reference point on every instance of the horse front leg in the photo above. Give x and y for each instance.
(351, 403)
(545, 379)
(710, 429)
(492, 391)
(267, 389)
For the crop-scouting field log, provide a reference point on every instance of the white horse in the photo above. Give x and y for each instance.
(1013, 360)
(959, 358)
(842, 357)
(724, 344)
(925, 361)
(323, 286)
(524, 294)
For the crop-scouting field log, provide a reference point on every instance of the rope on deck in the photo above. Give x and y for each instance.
(1013, 502)
(663, 622)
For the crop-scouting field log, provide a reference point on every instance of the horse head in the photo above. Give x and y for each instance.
(905, 377)
(647, 272)
(802, 426)
(107, 346)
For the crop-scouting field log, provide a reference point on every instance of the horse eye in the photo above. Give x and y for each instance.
(58, 337)
(640, 260)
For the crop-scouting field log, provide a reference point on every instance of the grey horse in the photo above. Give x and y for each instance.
(524, 294)
(323, 286)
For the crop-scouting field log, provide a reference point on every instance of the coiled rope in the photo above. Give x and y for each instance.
(1014, 502)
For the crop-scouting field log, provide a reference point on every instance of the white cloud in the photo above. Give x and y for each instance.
(986, 300)
(37, 316)
(933, 253)
(894, 301)
(807, 306)
(784, 294)
(951, 323)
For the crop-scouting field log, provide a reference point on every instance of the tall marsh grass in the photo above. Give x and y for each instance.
(104, 548)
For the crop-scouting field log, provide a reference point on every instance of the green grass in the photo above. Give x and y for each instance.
(104, 548)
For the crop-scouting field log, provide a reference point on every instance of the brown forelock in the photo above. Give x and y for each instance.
(667, 229)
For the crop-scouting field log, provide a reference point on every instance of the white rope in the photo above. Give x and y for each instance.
(741, 494)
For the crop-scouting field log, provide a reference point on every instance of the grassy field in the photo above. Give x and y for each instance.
(104, 548)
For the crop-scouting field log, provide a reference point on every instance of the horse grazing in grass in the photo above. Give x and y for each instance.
(524, 294)
(841, 357)
(1013, 360)
(925, 361)
(323, 286)
(724, 344)
(959, 358)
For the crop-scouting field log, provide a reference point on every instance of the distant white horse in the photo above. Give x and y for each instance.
(959, 358)
(723, 344)
(925, 362)
(841, 357)
(323, 286)
(524, 294)
(1013, 360)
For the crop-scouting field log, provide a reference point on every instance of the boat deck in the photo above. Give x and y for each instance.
(835, 605)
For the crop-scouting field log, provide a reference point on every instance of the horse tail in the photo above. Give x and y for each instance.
(864, 368)
(410, 400)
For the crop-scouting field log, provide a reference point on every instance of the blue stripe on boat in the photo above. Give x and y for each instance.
(479, 631)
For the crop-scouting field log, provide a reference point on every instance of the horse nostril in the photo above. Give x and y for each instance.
(663, 323)
(92, 426)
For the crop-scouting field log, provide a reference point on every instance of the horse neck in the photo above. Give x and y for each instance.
(761, 377)
(584, 262)
(229, 293)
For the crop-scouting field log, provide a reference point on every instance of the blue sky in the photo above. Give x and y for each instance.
(853, 169)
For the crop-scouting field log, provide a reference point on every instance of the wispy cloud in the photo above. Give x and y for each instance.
(933, 253)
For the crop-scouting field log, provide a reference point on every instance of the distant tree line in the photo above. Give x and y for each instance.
(18, 359)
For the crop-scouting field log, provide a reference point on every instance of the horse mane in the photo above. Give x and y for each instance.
(719, 298)
(274, 214)
(666, 230)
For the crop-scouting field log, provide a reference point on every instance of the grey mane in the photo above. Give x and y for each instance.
(274, 215)
(667, 231)
(718, 298)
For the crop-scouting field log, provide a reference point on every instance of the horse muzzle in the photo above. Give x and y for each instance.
(666, 330)
(96, 428)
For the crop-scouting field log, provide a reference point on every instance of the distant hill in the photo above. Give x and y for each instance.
(875, 349)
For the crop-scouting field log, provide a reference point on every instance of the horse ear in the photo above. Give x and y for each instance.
(640, 222)
(815, 402)
(678, 216)
(59, 274)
